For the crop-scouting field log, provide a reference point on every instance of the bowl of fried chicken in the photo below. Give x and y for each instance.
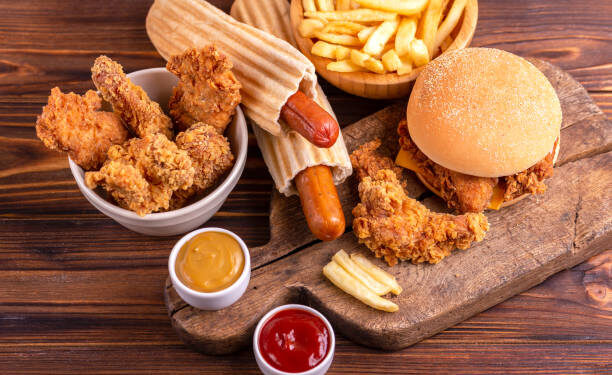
(158, 150)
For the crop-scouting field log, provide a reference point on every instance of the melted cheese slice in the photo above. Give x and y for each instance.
(404, 159)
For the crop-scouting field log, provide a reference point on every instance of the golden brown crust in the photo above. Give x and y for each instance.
(75, 124)
(366, 161)
(142, 115)
(207, 90)
(211, 156)
(142, 174)
(395, 226)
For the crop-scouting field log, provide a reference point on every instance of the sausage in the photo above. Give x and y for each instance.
(306, 117)
(320, 202)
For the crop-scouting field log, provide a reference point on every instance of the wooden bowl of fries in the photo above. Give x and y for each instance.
(377, 48)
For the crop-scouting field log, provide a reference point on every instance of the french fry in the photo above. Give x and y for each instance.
(377, 273)
(325, 5)
(343, 4)
(343, 27)
(309, 6)
(359, 58)
(343, 280)
(406, 66)
(309, 26)
(418, 52)
(345, 40)
(324, 49)
(344, 66)
(343, 259)
(429, 24)
(405, 34)
(450, 22)
(375, 66)
(446, 43)
(404, 7)
(364, 34)
(391, 61)
(355, 15)
(343, 53)
(376, 42)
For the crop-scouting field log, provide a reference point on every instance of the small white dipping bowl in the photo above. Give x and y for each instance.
(158, 84)
(215, 300)
(319, 369)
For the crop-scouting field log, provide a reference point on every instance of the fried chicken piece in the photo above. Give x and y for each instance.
(207, 90)
(530, 181)
(395, 226)
(142, 174)
(142, 115)
(211, 155)
(367, 161)
(74, 124)
(461, 192)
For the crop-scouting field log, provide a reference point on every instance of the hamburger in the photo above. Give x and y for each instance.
(481, 129)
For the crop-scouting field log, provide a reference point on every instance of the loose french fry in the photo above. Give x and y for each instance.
(344, 66)
(343, 280)
(446, 43)
(343, 4)
(404, 7)
(355, 15)
(345, 40)
(364, 34)
(377, 273)
(406, 66)
(309, 6)
(418, 52)
(343, 53)
(449, 23)
(324, 49)
(405, 34)
(309, 26)
(325, 5)
(343, 27)
(380, 37)
(391, 61)
(429, 24)
(342, 258)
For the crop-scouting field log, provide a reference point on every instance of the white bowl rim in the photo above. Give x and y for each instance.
(208, 295)
(119, 211)
(269, 314)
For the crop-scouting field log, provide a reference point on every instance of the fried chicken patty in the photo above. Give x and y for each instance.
(466, 193)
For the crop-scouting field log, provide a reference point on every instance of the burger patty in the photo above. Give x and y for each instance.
(466, 193)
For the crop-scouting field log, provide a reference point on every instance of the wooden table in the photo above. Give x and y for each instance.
(79, 293)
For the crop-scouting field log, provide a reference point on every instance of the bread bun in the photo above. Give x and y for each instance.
(483, 112)
(506, 203)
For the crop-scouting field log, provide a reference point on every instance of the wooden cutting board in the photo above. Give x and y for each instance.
(527, 243)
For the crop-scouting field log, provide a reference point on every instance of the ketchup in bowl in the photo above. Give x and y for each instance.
(294, 340)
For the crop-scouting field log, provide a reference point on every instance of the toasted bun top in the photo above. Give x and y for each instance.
(483, 112)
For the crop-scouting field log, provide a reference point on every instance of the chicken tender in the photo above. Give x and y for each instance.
(395, 226)
(142, 115)
(142, 174)
(75, 124)
(207, 90)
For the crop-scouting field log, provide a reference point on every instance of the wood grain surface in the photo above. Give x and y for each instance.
(81, 294)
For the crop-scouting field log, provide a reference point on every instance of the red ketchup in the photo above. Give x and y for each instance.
(294, 340)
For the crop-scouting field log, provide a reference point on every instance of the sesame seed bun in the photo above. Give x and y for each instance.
(483, 112)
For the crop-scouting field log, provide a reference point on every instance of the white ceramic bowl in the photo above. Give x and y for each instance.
(215, 300)
(158, 84)
(267, 369)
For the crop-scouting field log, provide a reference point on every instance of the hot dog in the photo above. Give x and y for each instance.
(320, 202)
(306, 117)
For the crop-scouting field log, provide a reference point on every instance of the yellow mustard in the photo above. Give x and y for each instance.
(209, 262)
